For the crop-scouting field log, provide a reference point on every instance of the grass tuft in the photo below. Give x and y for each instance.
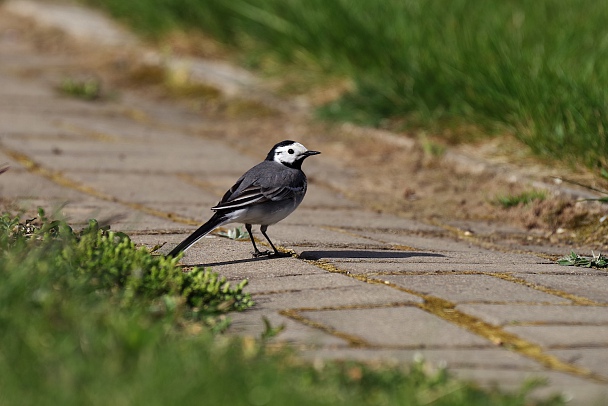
(88, 89)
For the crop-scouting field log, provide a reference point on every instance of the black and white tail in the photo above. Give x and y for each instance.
(217, 220)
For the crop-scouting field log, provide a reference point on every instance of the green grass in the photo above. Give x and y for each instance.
(523, 198)
(88, 318)
(536, 69)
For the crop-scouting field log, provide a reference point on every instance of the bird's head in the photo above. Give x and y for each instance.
(290, 153)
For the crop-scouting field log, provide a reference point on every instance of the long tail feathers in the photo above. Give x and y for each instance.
(214, 222)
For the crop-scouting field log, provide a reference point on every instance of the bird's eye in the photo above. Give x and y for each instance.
(290, 151)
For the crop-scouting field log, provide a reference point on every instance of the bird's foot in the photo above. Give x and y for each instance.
(270, 254)
(258, 254)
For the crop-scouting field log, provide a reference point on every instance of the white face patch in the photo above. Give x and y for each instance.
(289, 153)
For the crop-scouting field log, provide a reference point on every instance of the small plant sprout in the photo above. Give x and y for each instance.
(595, 261)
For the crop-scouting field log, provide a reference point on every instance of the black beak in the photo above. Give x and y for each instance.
(309, 153)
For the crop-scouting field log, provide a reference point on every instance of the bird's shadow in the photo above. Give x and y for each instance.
(365, 254)
(346, 254)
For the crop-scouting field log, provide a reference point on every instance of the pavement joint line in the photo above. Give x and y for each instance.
(60, 179)
(557, 324)
(356, 307)
(346, 232)
(480, 242)
(577, 300)
(92, 134)
(507, 276)
(447, 311)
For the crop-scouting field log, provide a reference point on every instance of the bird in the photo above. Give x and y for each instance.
(264, 195)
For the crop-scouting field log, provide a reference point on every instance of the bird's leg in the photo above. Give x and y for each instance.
(256, 252)
(277, 253)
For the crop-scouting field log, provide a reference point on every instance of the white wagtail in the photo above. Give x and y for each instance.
(265, 195)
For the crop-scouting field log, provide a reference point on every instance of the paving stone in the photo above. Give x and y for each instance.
(563, 336)
(300, 283)
(399, 327)
(471, 288)
(16, 184)
(594, 359)
(463, 358)
(75, 153)
(592, 287)
(119, 217)
(398, 266)
(251, 323)
(357, 219)
(362, 294)
(13, 88)
(133, 124)
(144, 188)
(290, 235)
(502, 314)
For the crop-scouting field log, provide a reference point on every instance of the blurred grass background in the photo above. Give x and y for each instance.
(537, 70)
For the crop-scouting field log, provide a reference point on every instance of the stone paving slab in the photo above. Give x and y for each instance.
(362, 294)
(397, 326)
(155, 168)
(472, 288)
(564, 336)
(503, 314)
(356, 219)
(251, 323)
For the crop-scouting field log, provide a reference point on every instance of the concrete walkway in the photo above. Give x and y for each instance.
(362, 285)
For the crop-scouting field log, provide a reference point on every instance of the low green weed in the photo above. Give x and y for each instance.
(89, 89)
